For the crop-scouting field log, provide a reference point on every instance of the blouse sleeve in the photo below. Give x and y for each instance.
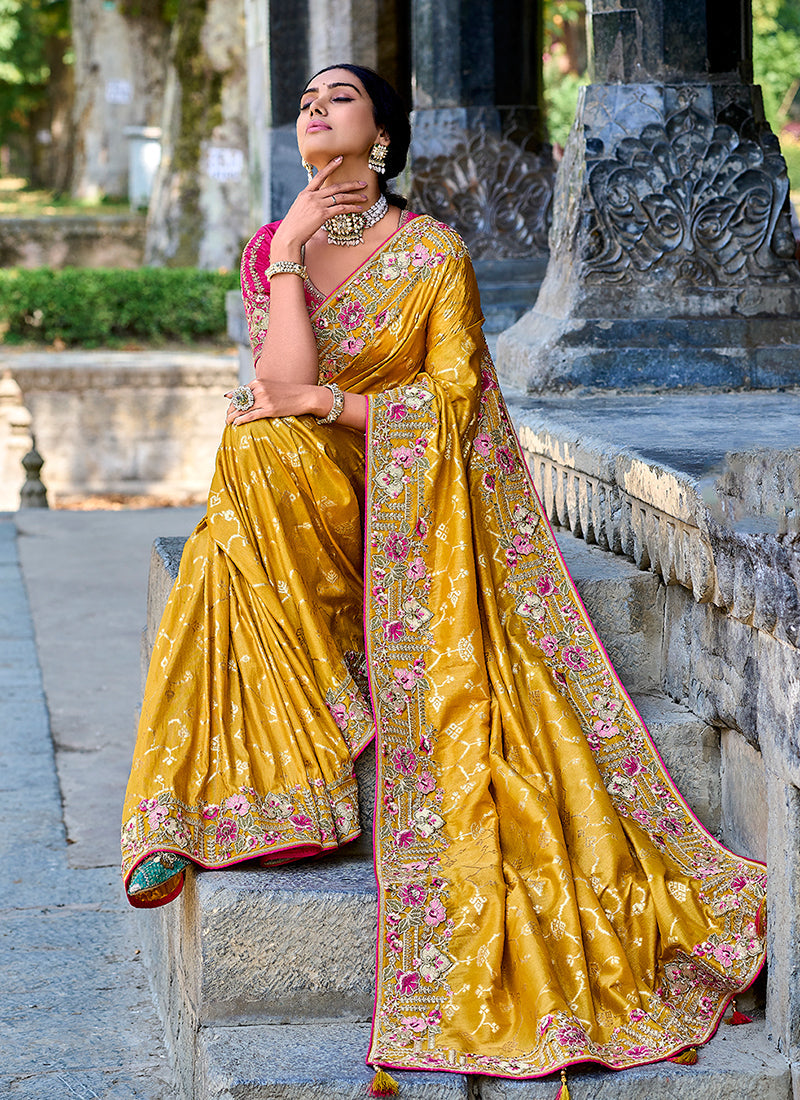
(255, 288)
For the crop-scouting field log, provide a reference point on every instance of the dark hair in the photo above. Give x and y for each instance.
(389, 112)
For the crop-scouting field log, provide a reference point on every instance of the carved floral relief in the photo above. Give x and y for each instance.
(691, 194)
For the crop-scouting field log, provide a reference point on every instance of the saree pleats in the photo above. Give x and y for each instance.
(254, 708)
(545, 895)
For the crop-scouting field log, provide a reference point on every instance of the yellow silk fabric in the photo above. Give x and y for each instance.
(545, 895)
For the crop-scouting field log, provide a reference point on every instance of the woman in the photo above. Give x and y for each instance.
(545, 895)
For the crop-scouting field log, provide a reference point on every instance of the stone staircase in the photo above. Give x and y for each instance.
(264, 978)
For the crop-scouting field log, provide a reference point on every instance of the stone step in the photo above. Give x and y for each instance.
(286, 945)
(301, 1063)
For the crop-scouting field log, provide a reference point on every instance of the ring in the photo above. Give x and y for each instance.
(334, 199)
(243, 399)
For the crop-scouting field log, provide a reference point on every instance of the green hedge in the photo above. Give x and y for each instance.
(109, 306)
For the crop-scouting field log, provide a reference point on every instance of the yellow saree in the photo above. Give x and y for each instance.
(545, 895)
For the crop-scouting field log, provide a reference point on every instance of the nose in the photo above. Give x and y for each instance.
(316, 106)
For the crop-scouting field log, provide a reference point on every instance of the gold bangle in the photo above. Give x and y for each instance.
(336, 408)
(285, 267)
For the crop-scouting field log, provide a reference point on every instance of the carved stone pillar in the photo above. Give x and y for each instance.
(671, 249)
(477, 156)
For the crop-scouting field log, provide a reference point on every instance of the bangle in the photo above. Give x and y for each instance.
(336, 408)
(285, 267)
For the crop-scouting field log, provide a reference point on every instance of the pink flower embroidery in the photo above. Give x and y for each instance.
(416, 1024)
(482, 444)
(544, 1024)
(511, 557)
(419, 255)
(603, 729)
(435, 913)
(352, 315)
(641, 816)
(157, 815)
(396, 547)
(425, 744)
(380, 320)
(211, 811)
(570, 613)
(419, 446)
(489, 481)
(521, 545)
(148, 804)
(301, 821)
(412, 895)
(380, 596)
(405, 761)
(237, 804)
(670, 825)
(352, 345)
(403, 838)
(417, 569)
(404, 456)
(638, 1052)
(545, 586)
(631, 765)
(738, 883)
(434, 1017)
(339, 712)
(408, 982)
(226, 833)
(487, 382)
(505, 459)
(394, 630)
(575, 657)
(397, 410)
(421, 528)
(394, 943)
(637, 1014)
(405, 678)
(426, 783)
(548, 645)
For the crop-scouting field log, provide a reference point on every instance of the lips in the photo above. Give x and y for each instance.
(314, 126)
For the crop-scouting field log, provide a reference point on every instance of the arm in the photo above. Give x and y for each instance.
(286, 363)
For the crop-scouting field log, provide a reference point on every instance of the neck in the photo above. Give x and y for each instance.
(353, 168)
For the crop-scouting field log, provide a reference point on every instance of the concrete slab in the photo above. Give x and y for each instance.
(86, 577)
(76, 1016)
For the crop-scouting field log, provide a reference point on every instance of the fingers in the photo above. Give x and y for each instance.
(323, 174)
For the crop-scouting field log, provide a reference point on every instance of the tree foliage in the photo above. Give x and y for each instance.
(33, 33)
(776, 58)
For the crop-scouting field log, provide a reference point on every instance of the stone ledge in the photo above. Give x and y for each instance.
(298, 1063)
(656, 515)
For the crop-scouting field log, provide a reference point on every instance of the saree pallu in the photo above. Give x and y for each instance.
(545, 895)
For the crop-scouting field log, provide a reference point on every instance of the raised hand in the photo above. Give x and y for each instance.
(315, 204)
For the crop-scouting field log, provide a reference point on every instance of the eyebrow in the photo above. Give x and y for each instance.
(337, 84)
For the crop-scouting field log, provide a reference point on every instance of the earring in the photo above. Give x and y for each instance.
(309, 169)
(377, 158)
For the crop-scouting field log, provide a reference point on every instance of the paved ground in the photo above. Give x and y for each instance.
(76, 1017)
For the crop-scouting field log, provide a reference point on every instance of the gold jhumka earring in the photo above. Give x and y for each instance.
(308, 168)
(377, 158)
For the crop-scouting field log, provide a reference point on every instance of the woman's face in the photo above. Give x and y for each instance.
(336, 119)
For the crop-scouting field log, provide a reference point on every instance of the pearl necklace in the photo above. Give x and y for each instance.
(349, 228)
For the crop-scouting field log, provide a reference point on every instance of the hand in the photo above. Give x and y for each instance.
(313, 207)
(274, 399)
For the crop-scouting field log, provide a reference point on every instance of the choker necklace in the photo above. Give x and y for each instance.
(349, 228)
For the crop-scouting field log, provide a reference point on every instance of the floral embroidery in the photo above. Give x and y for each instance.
(244, 824)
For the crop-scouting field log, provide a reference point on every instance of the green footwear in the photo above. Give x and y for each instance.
(156, 869)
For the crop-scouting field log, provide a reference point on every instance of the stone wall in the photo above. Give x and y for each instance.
(125, 422)
(54, 241)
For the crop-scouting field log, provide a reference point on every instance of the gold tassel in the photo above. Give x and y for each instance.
(687, 1058)
(563, 1092)
(738, 1017)
(383, 1084)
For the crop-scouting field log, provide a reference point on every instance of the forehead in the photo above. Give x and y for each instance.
(330, 78)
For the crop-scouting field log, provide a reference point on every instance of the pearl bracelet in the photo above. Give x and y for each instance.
(285, 267)
(338, 404)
